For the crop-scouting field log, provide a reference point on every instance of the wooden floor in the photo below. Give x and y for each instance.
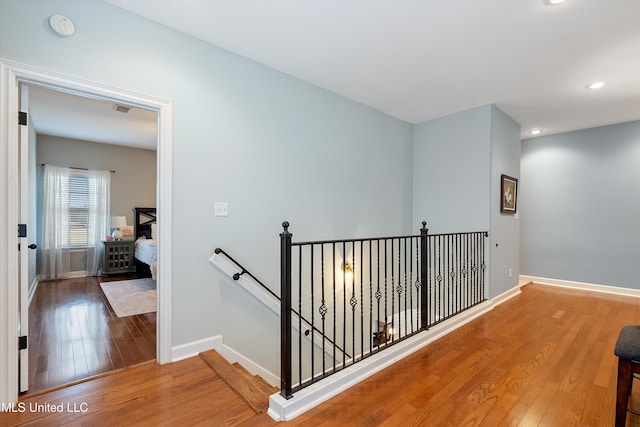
(543, 358)
(74, 333)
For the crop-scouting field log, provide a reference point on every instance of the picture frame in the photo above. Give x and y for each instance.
(127, 232)
(508, 194)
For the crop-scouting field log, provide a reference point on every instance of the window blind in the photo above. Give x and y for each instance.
(81, 194)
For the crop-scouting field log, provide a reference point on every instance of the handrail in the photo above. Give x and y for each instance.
(236, 276)
(243, 270)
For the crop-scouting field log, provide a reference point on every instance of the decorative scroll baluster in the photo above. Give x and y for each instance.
(378, 294)
(362, 333)
(353, 301)
(435, 276)
(323, 309)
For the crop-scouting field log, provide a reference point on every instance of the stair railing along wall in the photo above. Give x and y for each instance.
(364, 295)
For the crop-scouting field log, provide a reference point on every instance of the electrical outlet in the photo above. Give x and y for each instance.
(510, 272)
(221, 209)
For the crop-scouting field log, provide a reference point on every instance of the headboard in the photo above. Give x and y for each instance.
(143, 218)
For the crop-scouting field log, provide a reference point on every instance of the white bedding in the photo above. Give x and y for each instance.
(146, 251)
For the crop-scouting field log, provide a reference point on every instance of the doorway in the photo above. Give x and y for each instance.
(12, 76)
(74, 331)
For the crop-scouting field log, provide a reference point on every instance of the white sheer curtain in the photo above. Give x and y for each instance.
(75, 217)
(99, 218)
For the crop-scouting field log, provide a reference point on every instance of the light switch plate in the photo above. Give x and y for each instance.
(221, 209)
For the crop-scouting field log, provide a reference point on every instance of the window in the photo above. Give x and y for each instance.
(79, 196)
(75, 213)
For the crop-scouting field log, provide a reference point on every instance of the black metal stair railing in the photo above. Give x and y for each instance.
(365, 295)
(308, 326)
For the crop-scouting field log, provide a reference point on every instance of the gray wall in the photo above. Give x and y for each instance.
(132, 185)
(580, 204)
(504, 267)
(458, 161)
(452, 164)
(275, 148)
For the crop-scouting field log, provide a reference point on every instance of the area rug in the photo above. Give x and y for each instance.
(131, 297)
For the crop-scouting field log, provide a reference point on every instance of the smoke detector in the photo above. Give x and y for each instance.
(62, 25)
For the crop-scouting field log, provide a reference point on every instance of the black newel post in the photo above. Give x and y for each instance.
(285, 312)
(424, 276)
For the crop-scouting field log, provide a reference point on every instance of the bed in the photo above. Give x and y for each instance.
(146, 241)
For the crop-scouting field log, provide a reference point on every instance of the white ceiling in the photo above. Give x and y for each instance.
(422, 59)
(418, 60)
(70, 116)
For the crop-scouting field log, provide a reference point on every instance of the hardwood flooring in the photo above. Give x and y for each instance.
(542, 358)
(74, 333)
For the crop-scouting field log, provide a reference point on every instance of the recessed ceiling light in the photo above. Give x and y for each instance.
(535, 131)
(595, 85)
(552, 2)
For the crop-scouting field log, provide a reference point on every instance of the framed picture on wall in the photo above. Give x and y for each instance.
(508, 194)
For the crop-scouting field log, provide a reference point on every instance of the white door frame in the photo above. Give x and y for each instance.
(23, 254)
(11, 75)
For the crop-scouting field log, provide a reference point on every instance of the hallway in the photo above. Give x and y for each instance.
(544, 357)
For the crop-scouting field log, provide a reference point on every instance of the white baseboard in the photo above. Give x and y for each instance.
(233, 356)
(184, 351)
(216, 343)
(75, 274)
(506, 295)
(580, 285)
(281, 409)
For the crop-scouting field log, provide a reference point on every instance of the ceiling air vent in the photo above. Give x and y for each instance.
(121, 108)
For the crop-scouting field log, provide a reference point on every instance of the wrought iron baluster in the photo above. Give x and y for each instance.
(335, 336)
(410, 284)
(353, 301)
(468, 300)
(479, 267)
(386, 283)
(403, 281)
(300, 249)
(399, 290)
(484, 266)
(378, 295)
(441, 296)
(323, 310)
(458, 273)
(362, 301)
(370, 296)
(450, 265)
(344, 305)
(312, 353)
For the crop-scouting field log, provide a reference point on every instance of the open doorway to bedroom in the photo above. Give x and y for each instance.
(92, 303)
